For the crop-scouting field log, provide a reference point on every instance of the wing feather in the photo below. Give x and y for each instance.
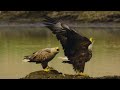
(69, 38)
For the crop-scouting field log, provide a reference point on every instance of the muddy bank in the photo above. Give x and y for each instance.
(54, 74)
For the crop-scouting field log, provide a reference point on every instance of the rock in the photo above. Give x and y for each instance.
(54, 74)
(107, 77)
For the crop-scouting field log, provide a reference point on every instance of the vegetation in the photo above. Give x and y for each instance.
(80, 16)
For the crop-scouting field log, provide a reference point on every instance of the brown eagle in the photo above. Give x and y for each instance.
(77, 48)
(42, 56)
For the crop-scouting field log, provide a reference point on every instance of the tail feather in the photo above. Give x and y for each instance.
(29, 58)
(26, 59)
(78, 66)
(49, 19)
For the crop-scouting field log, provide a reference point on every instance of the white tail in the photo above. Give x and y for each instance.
(25, 60)
(63, 58)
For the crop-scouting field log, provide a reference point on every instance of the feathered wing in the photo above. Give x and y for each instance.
(38, 56)
(56, 29)
(71, 41)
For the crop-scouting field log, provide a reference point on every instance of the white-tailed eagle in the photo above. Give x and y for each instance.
(43, 57)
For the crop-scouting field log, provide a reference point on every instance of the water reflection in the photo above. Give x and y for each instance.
(16, 42)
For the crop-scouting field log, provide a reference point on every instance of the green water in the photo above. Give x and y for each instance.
(16, 42)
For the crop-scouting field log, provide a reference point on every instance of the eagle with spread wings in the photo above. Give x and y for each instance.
(77, 48)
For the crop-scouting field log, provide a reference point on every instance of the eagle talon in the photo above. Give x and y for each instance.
(47, 69)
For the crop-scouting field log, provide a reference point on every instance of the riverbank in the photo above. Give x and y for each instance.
(69, 16)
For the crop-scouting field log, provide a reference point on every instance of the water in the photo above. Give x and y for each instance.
(16, 42)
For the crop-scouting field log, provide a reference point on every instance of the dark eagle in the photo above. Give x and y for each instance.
(42, 56)
(76, 47)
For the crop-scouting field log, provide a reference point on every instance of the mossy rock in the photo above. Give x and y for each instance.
(53, 74)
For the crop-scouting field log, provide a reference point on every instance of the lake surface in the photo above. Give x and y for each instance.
(17, 42)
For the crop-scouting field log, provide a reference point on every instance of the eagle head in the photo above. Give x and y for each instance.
(91, 45)
(55, 50)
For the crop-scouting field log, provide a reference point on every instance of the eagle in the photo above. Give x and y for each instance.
(77, 48)
(42, 57)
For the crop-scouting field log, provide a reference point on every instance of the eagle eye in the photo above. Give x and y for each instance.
(57, 49)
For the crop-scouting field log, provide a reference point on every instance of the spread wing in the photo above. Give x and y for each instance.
(69, 38)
